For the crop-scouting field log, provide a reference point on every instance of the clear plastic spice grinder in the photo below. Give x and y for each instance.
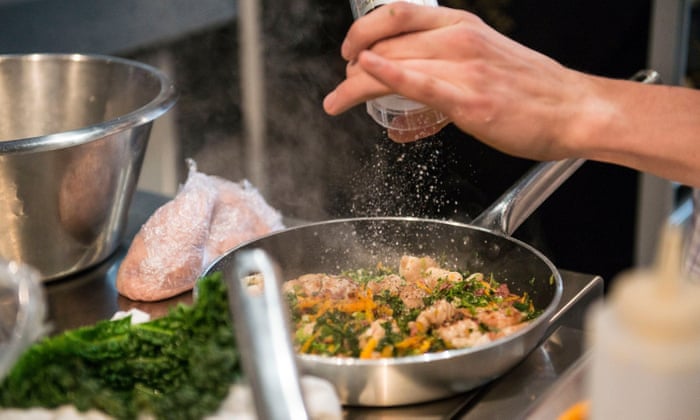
(409, 120)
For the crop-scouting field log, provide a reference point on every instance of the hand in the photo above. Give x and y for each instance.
(516, 99)
(503, 93)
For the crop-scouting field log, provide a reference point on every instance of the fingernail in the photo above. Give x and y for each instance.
(344, 50)
(328, 101)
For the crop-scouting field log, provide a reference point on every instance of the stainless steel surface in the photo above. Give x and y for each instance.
(569, 389)
(90, 296)
(262, 331)
(73, 132)
(253, 92)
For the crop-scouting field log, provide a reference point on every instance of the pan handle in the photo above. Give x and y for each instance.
(523, 198)
(261, 326)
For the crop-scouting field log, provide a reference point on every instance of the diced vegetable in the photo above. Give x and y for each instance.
(375, 313)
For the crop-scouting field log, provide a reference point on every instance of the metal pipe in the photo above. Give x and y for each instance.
(252, 92)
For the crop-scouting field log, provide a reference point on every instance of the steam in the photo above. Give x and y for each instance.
(411, 179)
(317, 167)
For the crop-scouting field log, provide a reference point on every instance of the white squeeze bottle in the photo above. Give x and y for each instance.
(645, 342)
(411, 119)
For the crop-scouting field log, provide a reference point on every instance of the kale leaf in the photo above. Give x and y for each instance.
(179, 366)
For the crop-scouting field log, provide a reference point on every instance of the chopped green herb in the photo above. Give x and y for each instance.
(370, 318)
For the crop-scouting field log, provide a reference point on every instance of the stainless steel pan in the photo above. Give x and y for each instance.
(486, 245)
(338, 245)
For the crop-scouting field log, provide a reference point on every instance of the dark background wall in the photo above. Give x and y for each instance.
(590, 224)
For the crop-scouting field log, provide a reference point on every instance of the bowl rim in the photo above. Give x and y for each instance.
(161, 103)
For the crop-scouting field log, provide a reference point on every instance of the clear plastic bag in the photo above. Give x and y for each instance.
(208, 216)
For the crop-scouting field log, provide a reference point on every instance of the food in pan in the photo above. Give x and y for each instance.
(208, 216)
(420, 308)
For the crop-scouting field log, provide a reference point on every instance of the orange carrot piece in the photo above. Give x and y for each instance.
(368, 349)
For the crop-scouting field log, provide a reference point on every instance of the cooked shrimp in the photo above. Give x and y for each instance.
(425, 271)
(413, 269)
(499, 319)
(437, 314)
(391, 283)
(463, 333)
(322, 285)
(434, 275)
(412, 295)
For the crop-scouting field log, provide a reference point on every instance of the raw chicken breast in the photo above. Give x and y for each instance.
(208, 216)
(240, 214)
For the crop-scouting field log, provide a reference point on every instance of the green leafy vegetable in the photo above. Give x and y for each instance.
(178, 367)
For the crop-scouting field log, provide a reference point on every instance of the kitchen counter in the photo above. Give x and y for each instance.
(90, 296)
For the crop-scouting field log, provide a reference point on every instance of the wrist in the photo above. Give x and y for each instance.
(594, 118)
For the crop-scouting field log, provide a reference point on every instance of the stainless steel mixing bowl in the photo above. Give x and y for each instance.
(73, 134)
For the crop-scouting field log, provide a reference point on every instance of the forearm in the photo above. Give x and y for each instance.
(516, 99)
(651, 128)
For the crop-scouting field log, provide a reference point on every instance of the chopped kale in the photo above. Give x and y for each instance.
(179, 366)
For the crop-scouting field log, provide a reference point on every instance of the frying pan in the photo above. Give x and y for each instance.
(485, 245)
(346, 244)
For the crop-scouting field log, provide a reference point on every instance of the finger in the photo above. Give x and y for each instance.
(352, 69)
(395, 19)
(353, 91)
(411, 45)
(362, 86)
(413, 81)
